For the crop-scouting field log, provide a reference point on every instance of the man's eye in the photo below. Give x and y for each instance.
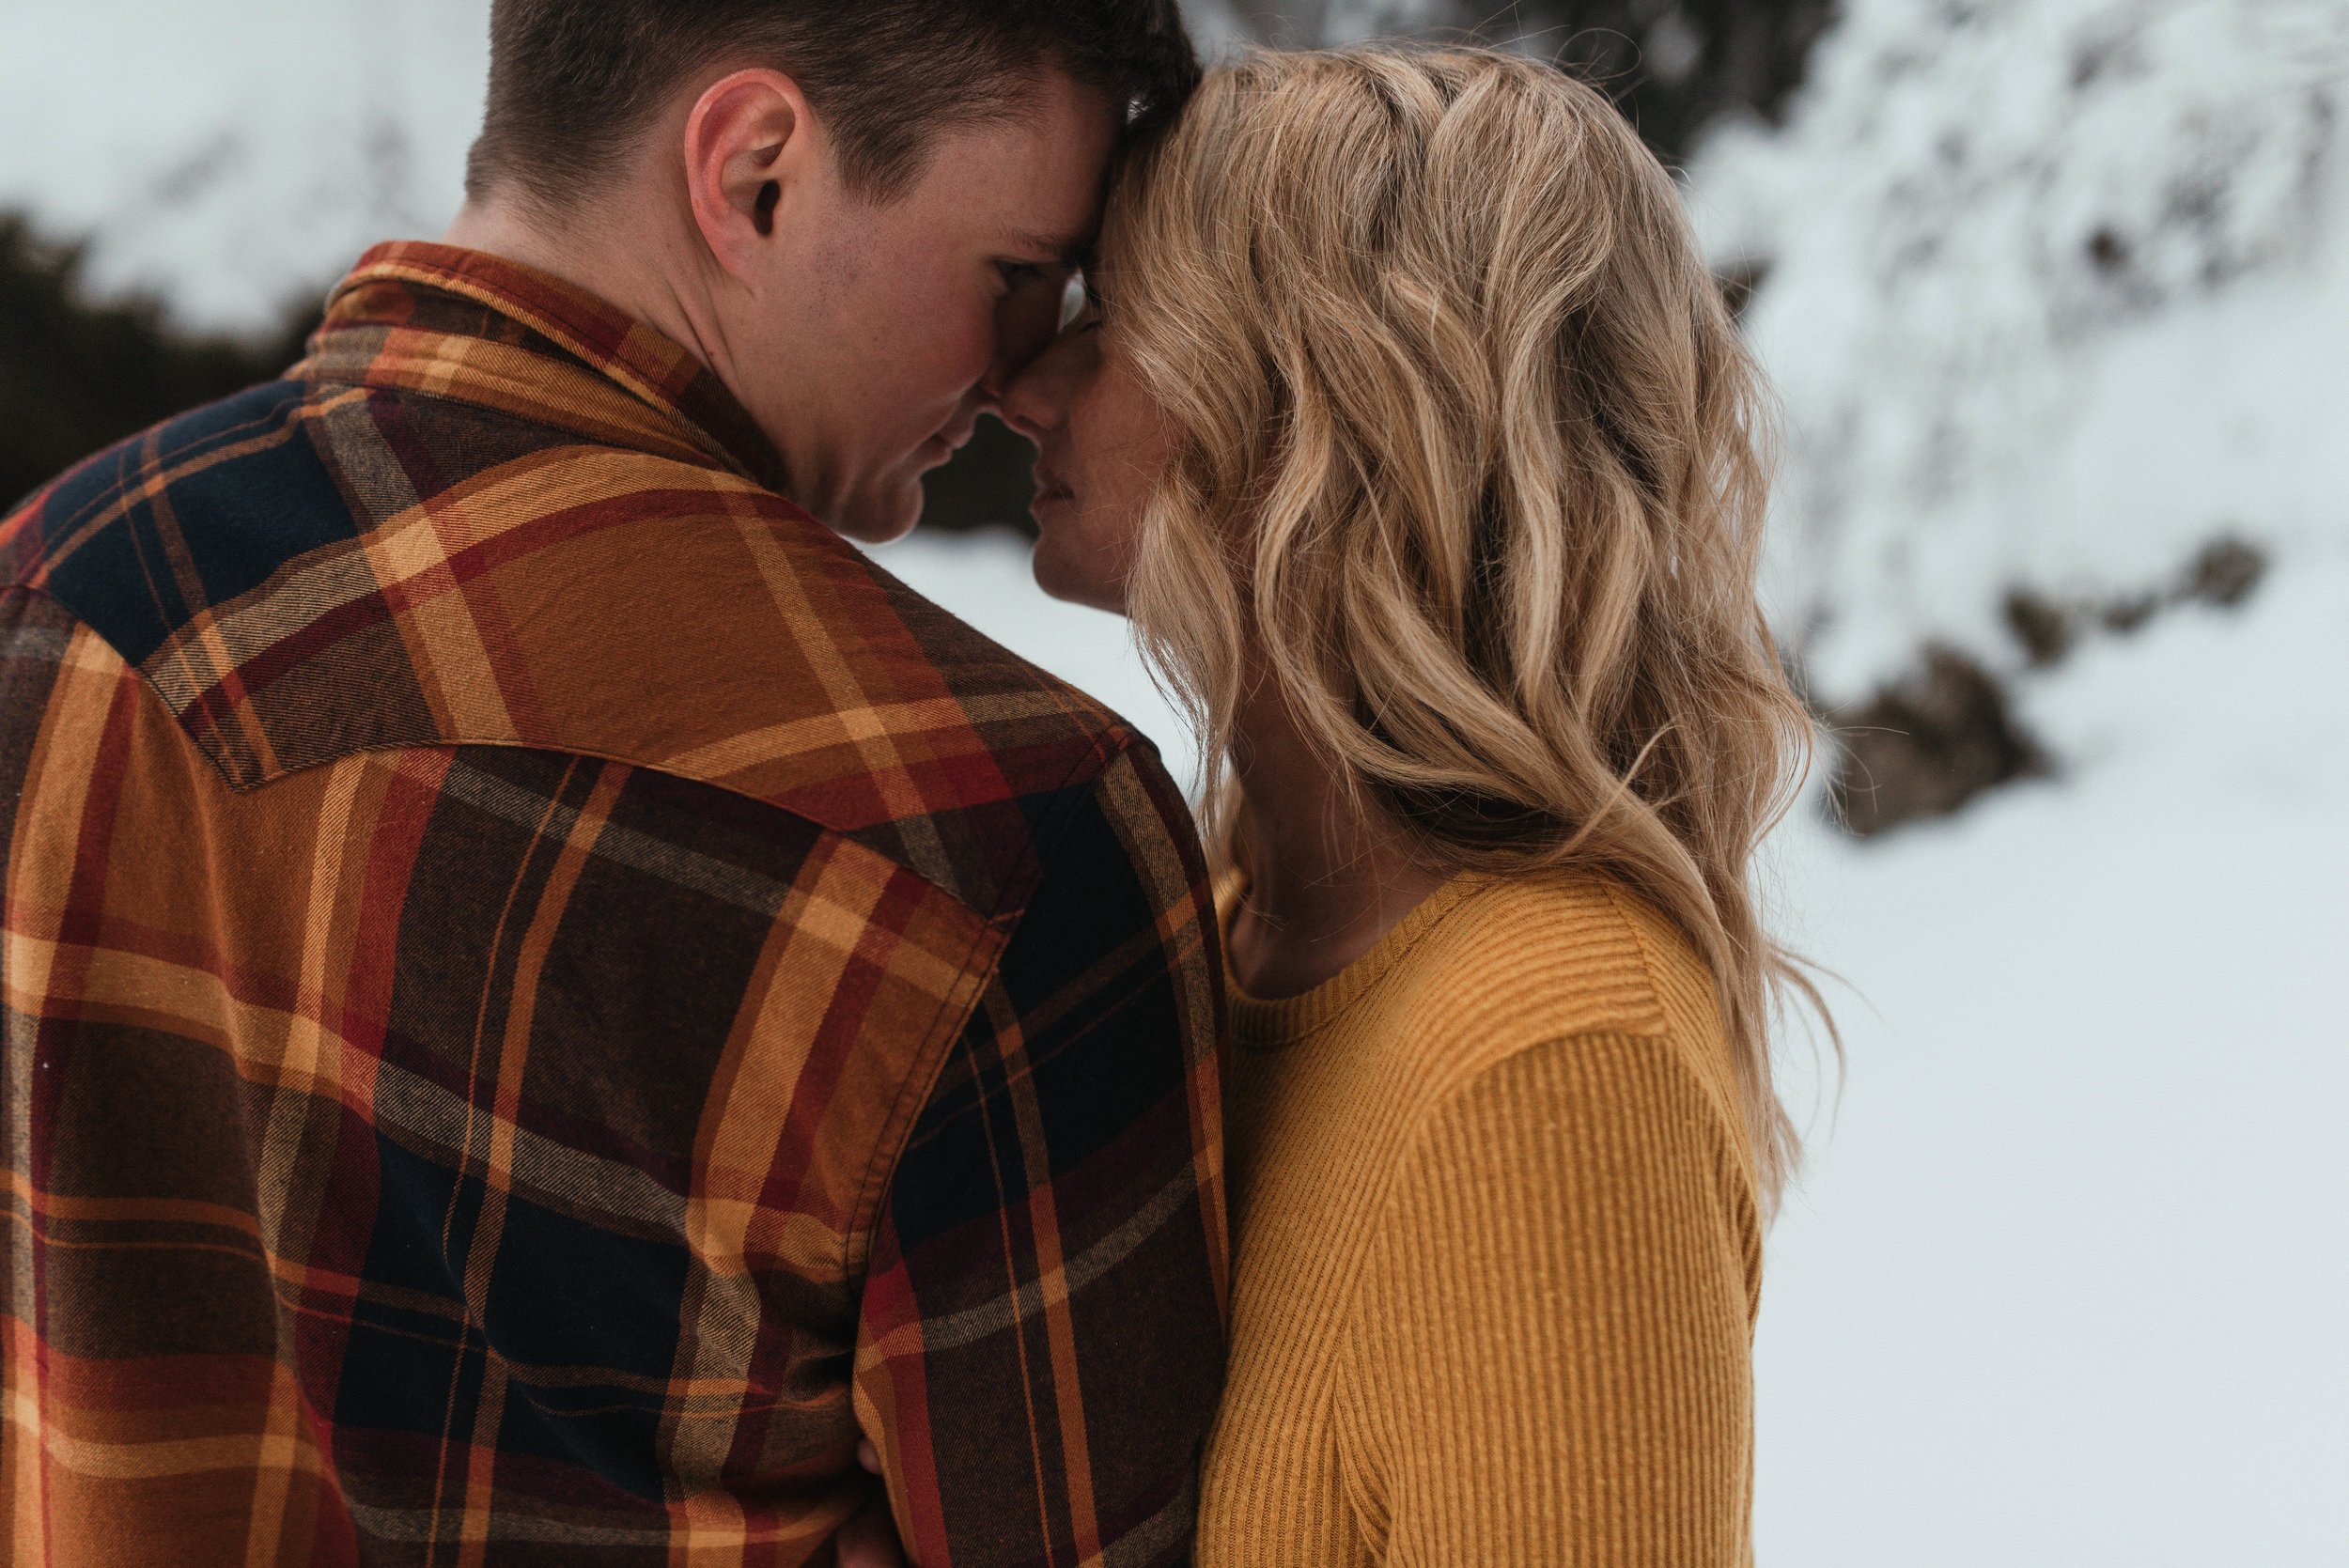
(1017, 273)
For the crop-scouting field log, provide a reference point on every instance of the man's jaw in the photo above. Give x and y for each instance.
(868, 523)
(941, 446)
(883, 511)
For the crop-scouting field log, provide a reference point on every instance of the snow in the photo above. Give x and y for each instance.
(984, 578)
(237, 156)
(2063, 1283)
(2054, 292)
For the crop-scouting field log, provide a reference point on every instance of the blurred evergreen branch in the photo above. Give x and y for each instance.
(78, 374)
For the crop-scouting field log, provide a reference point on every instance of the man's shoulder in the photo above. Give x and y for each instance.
(895, 720)
(308, 572)
(108, 538)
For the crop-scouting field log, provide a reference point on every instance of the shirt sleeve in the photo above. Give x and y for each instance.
(1550, 1360)
(1041, 1344)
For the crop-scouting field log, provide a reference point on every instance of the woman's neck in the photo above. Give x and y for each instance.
(1329, 874)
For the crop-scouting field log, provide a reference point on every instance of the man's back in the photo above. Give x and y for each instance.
(545, 995)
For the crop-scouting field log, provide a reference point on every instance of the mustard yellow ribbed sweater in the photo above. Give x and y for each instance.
(1496, 1252)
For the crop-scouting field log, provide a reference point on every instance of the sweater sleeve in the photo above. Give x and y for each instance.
(1550, 1357)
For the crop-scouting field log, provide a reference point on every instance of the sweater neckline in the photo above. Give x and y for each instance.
(1262, 1024)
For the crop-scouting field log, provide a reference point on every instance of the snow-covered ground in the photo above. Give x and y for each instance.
(2059, 291)
(2065, 1282)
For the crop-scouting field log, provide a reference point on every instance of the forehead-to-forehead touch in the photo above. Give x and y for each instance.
(575, 84)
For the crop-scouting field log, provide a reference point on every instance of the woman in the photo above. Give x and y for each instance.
(1412, 433)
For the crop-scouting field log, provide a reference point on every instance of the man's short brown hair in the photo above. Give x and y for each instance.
(574, 83)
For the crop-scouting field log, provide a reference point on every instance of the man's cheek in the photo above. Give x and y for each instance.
(961, 347)
(1028, 323)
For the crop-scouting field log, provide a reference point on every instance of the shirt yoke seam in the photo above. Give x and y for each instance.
(1105, 747)
(1102, 749)
(1106, 744)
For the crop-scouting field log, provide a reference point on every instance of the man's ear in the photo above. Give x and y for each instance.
(749, 144)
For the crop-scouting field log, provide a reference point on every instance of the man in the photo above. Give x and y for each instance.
(548, 999)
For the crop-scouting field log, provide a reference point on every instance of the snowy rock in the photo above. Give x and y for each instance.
(2054, 292)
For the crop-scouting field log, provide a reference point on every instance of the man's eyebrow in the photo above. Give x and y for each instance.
(1067, 251)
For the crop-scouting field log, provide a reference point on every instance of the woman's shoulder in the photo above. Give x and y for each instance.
(1572, 1066)
(1532, 961)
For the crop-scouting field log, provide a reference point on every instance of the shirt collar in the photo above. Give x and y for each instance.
(536, 352)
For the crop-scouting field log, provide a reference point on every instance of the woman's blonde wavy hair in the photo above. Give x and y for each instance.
(1469, 462)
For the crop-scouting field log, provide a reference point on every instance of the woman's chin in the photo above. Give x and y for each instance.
(1065, 579)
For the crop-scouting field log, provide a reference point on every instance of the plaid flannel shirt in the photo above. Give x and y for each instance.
(545, 993)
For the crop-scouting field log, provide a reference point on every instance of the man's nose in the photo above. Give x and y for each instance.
(1035, 399)
(1024, 330)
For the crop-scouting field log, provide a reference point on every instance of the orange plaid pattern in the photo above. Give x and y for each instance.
(545, 995)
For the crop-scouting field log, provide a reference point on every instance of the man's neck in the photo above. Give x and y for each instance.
(1329, 874)
(654, 283)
